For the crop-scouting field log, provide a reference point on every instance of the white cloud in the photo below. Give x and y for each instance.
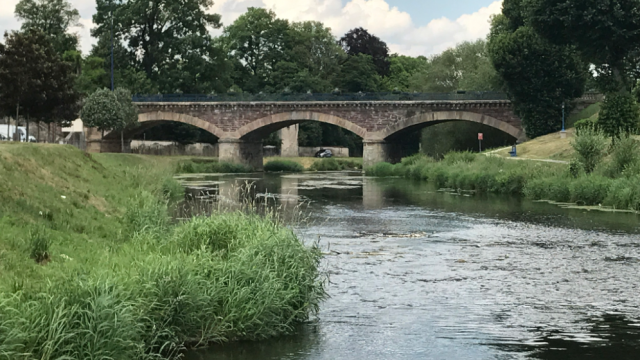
(390, 24)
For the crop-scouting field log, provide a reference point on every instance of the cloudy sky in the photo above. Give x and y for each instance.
(410, 27)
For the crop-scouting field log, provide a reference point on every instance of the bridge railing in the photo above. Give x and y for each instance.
(383, 96)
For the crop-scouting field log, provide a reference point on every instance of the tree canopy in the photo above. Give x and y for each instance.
(52, 17)
(34, 78)
(359, 41)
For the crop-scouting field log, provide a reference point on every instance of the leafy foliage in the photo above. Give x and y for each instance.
(590, 145)
(358, 74)
(359, 41)
(606, 34)
(52, 17)
(538, 76)
(167, 40)
(619, 114)
(34, 78)
(109, 110)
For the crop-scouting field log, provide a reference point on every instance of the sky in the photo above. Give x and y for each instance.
(409, 27)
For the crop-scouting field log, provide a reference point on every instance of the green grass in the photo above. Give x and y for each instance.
(210, 166)
(93, 268)
(283, 166)
(606, 186)
(335, 164)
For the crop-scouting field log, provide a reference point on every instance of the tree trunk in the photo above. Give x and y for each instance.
(101, 140)
(122, 141)
(38, 136)
(27, 136)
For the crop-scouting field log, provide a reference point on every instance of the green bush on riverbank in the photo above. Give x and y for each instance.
(116, 279)
(211, 167)
(614, 182)
(333, 164)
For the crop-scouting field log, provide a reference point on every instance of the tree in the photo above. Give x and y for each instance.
(358, 73)
(403, 70)
(110, 111)
(312, 59)
(605, 33)
(52, 17)
(360, 41)
(35, 81)
(256, 42)
(538, 75)
(467, 66)
(158, 35)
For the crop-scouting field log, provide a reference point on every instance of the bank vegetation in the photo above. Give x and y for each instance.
(94, 268)
(602, 172)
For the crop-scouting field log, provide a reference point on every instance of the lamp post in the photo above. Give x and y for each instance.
(563, 133)
(111, 45)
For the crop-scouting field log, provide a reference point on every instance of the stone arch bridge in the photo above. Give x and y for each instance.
(240, 126)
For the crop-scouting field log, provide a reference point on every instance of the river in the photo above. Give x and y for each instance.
(417, 273)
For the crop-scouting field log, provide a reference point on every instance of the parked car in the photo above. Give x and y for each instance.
(324, 153)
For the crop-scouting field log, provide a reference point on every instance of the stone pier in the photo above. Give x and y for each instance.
(241, 152)
(380, 151)
(289, 138)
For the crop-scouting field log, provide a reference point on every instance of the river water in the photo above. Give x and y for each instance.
(417, 273)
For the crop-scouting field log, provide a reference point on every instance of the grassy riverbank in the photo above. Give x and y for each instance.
(92, 267)
(318, 164)
(609, 185)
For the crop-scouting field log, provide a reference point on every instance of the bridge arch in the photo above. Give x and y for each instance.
(271, 123)
(152, 118)
(437, 117)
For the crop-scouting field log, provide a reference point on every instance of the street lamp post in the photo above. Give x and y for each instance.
(111, 45)
(563, 133)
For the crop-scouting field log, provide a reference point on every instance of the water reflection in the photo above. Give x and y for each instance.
(417, 273)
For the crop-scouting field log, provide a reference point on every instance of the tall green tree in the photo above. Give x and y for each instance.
(256, 42)
(358, 74)
(160, 36)
(403, 71)
(311, 59)
(359, 41)
(605, 33)
(466, 66)
(538, 76)
(35, 81)
(52, 17)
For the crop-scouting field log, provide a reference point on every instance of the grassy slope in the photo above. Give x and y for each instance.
(79, 197)
(121, 282)
(552, 146)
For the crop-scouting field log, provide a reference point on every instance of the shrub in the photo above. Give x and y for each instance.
(203, 167)
(283, 166)
(624, 155)
(332, 164)
(381, 170)
(619, 113)
(456, 157)
(624, 193)
(589, 145)
(590, 190)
